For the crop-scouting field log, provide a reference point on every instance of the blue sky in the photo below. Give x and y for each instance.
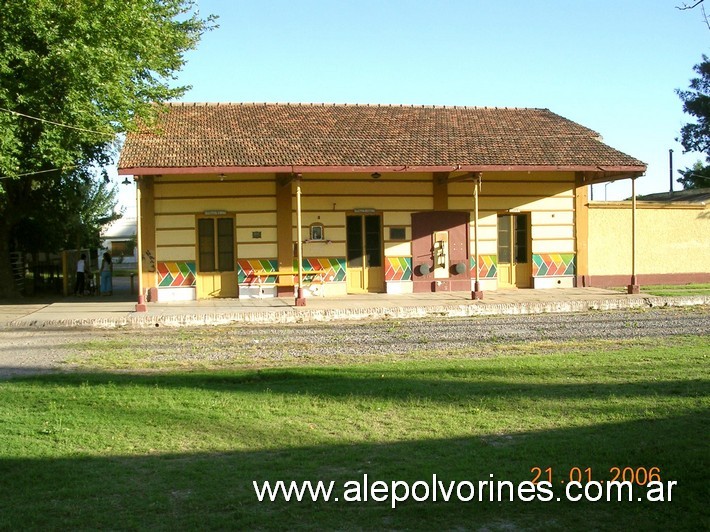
(611, 65)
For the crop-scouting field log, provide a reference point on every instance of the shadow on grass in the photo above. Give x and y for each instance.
(214, 491)
(443, 384)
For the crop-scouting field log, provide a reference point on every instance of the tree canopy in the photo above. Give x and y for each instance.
(695, 136)
(73, 75)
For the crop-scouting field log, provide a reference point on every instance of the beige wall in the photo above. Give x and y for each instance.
(671, 239)
(548, 196)
(327, 199)
(178, 199)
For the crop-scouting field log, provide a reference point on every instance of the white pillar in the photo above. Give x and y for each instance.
(300, 300)
(140, 306)
(477, 292)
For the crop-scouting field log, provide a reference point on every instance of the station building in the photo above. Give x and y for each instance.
(394, 199)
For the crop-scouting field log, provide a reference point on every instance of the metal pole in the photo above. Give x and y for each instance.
(670, 164)
(477, 292)
(633, 288)
(300, 300)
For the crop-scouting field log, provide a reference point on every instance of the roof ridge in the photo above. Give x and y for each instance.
(345, 104)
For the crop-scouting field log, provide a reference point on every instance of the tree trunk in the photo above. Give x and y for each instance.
(7, 281)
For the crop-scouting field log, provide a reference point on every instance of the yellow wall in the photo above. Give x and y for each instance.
(670, 239)
(328, 198)
(180, 198)
(548, 196)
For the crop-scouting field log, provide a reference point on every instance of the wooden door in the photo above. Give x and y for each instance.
(514, 257)
(365, 272)
(216, 261)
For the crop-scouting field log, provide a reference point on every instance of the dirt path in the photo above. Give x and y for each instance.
(27, 351)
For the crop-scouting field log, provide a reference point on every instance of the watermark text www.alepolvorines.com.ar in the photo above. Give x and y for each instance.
(436, 490)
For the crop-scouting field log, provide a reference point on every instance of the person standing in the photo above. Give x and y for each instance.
(80, 284)
(106, 274)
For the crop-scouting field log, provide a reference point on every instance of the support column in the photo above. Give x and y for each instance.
(140, 306)
(477, 293)
(634, 287)
(284, 227)
(581, 230)
(300, 300)
(441, 191)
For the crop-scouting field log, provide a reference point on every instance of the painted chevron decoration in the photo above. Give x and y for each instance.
(487, 267)
(246, 267)
(553, 264)
(398, 268)
(333, 268)
(176, 274)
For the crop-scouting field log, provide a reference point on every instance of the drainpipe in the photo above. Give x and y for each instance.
(477, 292)
(633, 288)
(300, 300)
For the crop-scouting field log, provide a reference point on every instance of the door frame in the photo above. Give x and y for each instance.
(519, 275)
(381, 286)
(216, 277)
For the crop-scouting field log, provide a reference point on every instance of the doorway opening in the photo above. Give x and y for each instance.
(514, 251)
(365, 272)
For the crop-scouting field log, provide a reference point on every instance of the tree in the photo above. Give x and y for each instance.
(697, 176)
(73, 75)
(696, 136)
(692, 5)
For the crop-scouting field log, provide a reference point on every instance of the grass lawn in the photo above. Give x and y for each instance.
(176, 450)
(692, 289)
(697, 289)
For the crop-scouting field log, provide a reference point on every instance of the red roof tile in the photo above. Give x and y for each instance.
(305, 135)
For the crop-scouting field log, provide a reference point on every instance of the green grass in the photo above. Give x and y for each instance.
(670, 290)
(697, 289)
(180, 450)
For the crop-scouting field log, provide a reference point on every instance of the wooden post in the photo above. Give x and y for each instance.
(300, 300)
(477, 293)
(634, 287)
(140, 306)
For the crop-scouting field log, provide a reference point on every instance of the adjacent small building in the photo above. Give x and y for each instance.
(119, 239)
(394, 199)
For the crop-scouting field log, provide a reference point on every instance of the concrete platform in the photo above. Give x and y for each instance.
(119, 310)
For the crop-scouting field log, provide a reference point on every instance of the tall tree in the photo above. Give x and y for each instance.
(695, 136)
(73, 75)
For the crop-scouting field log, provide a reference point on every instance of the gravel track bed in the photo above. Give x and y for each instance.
(24, 351)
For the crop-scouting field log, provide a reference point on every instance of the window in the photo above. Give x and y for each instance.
(521, 238)
(513, 232)
(398, 233)
(215, 244)
(504, 239)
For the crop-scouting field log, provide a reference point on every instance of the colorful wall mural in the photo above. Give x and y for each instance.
(553, 264)
(329, 270)
(176, 274)
(398, 268)
(487, 267)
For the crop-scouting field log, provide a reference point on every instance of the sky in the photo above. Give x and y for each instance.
(610, 65)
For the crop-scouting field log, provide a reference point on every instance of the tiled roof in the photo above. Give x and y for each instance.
(693, 195)
(281, 135)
